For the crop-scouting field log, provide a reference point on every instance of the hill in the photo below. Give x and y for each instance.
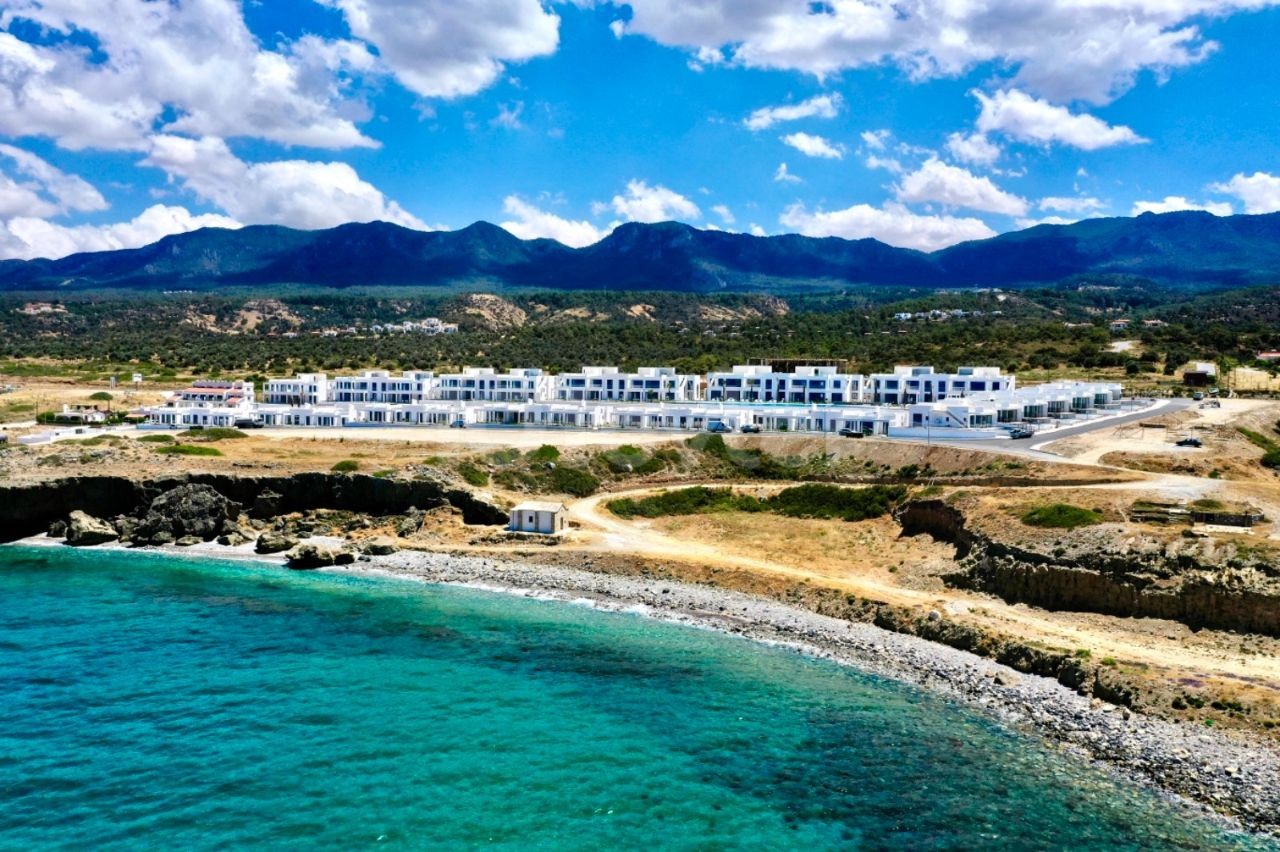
(1188, 249)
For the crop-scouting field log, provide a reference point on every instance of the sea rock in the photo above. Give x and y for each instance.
(307, 556)
(84, 530)
(274, 542)
(187, 510)
(58, 529)
(235, 536)
(380, 546)
(266, 504)
(188, 541)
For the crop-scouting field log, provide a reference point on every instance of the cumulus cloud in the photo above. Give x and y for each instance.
(297, 193)
(936, 182)
(1020, 116)
(783, 175)
(876, 139)
(193, 67)
(893, 224)
(644, 203)
(27, 237)
(65, 192)
(532, 223)
(813, 146)
(974, 148)
(1046, 220)
(725, 214)
(1061, 49)
(1259, 191)
(1175, 203)
(820, 106)
(1070, 204)
(447, 49)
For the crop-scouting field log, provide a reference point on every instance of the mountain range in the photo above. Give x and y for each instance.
(1190, 249)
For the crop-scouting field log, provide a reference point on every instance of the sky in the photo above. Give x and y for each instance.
(921, 123)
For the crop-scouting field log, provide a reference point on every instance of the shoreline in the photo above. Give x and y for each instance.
(1219, 775)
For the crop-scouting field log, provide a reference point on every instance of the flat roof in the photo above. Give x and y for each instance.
(536, 506)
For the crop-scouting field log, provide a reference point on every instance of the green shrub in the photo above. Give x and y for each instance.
(212, 433)
(383, 474)
(101, 396)
(157, 439)
(187, 450)
(573, 481)
(346, 466)
(542, 455)
(472, 474)
(684, 501)
(504, 457)
(832, 501)
(1061, 516)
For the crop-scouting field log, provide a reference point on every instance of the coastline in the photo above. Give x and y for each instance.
(1219, 774)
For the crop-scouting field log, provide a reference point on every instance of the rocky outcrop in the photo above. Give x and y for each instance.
(29, 508)
(272, 541)
(308, 556)
(84, 530)
(380, 546)
(1128, 582)
(191, 511)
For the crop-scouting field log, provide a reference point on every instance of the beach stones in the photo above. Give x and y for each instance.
(84, 530)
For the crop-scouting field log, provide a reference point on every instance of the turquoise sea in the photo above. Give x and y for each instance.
(152, 701)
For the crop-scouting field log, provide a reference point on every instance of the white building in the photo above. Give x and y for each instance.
(215, 392)
(908, 385)
(303, 389)
(759, 383)
(648, 384)
(484, 383)
(536, 517)
(381, 386)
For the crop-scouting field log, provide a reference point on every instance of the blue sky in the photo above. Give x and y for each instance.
(922, 122)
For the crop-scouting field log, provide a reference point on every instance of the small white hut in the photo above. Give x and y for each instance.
(534, 517)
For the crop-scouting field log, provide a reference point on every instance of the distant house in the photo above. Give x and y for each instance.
(1200, 374)
(1119, 326)
(535, 517)
(86, 414)
(1269, 356)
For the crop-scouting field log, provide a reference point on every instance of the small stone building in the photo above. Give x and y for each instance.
(534, 517)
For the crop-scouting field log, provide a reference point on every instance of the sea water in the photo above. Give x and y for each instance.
(154, 701)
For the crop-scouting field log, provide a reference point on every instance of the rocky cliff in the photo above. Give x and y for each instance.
(1196, 588)
(29, 508)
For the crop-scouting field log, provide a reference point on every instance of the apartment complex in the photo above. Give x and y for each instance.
(648, 384)
(805, 385)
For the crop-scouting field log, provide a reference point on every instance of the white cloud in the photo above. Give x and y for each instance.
(975, 148)
(644, 203)
(893, 224)
(876, 139)
(27, 237)
(533, 223)
(725, 214)
(936, 182)
(1070, 204)
(298, 193)
(756, 230)
(447, 49)
(819, 106)
(1174, 203)
(783, 175)
(509, 116)
(889, 164)
(813, 146)
(65, 192)
(1259, 191)
(194, 65)
(1020, 116)
(1062, 49)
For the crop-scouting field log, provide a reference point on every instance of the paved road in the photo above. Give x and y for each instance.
(1033, 447)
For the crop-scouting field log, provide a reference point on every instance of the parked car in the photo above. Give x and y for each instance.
(718, 426)
(1190, 442)
(850, 433)
(1198, 395)
(458, 424)
(749, 429)
(1019, 434)
(248, 423)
